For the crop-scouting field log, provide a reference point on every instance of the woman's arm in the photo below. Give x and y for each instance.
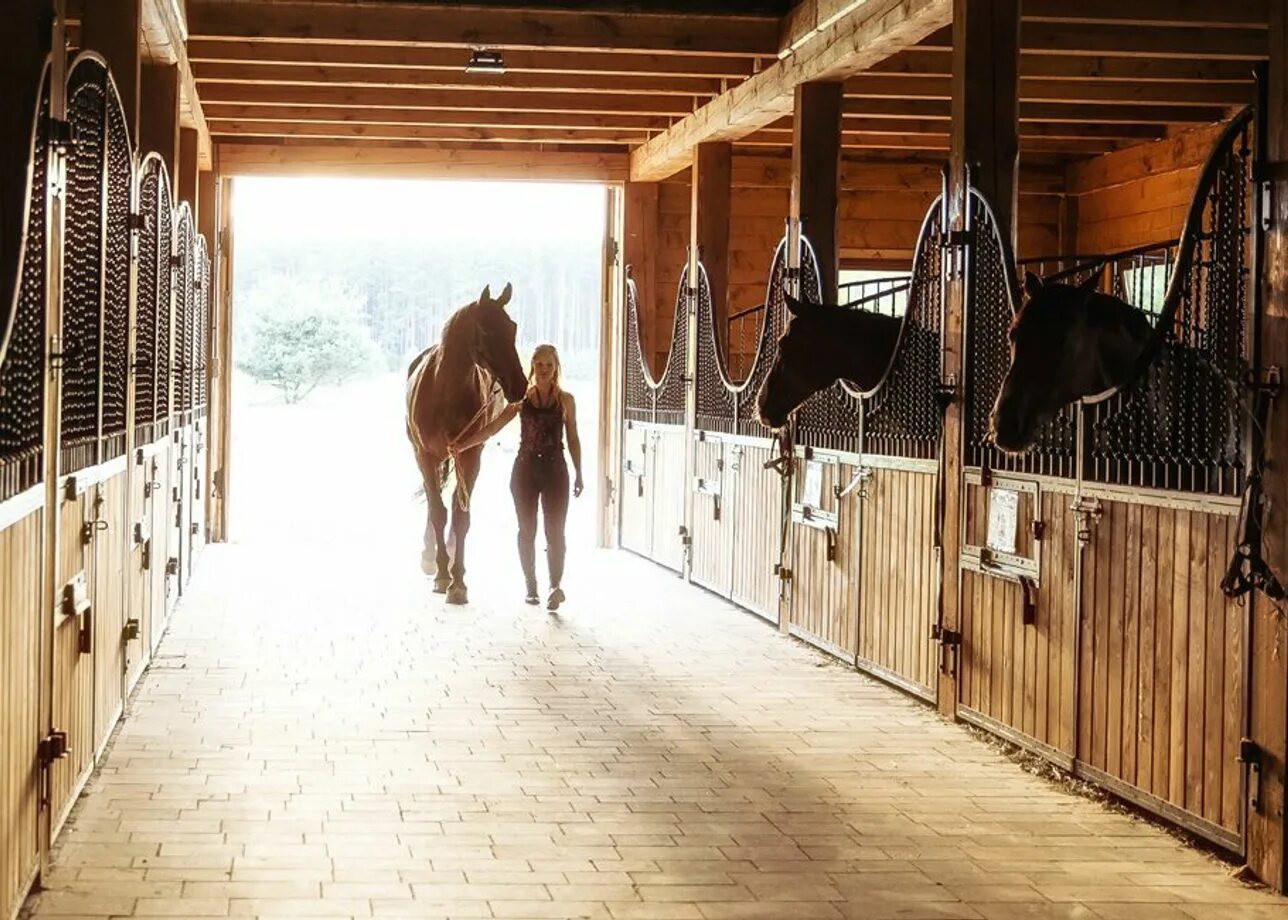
(491, 428)
(574, 442)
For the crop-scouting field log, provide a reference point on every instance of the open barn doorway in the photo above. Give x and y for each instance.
(338, 285)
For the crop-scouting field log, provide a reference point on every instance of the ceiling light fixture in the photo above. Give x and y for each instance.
(483, 60)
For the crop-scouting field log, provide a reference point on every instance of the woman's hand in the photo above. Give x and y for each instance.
(577, 485)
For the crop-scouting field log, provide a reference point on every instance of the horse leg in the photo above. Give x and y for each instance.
(433, 555)
(467, 471)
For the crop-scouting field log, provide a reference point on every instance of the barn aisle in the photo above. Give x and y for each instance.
(320, 736)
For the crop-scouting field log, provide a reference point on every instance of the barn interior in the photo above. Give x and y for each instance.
(908, 157)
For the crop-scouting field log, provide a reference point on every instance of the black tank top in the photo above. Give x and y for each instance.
(541, 430)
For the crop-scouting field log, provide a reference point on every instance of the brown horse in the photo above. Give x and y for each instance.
(1068, 342)
(451, 390)
(822, 344)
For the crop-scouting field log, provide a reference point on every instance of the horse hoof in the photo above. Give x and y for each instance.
(457, 595)
(428, 565)
(441, 585)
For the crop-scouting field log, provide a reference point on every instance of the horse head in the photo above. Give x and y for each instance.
(495, 344)
(1067, 342)
(822, 344)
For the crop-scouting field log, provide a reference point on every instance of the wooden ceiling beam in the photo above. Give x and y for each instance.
(1102, 113)
(870, 33)
(163, 37)
(327, 75)
(480, 100)
(1098, 39)
(1191, 14)
(223, 112)
(709, 67)
(885, 86)
(938, 63)
(444, 133)
(421, 161)
(412, 24)
(862, 140)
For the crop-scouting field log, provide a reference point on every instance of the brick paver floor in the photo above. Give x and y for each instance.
(321, 737)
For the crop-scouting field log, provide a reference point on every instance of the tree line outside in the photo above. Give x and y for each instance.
(317, 311)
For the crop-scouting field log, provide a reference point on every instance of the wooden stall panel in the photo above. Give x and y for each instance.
(897, 577)
(110, 547)
(1160, 702)
(668, 496)
(1022, 676)
(181, 501)
(73, 677)
(163, 511)
(636, 509)
(137, 568)
(757, 507)
(197, 487)
(713, 521)
(20, 612)
(824, 564)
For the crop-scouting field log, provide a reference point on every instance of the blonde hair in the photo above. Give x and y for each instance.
(545, 350)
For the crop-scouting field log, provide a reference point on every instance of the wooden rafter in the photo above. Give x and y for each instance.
(409, 24)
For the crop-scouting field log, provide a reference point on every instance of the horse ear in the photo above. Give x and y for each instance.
(795, 307)
(1092, 284)
(505, 295)
(486, 295)
(1032, 284)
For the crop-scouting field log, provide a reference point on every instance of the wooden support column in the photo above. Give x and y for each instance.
(221, 391)
(112, 28)
(186, 181)
(985, 129)
(816, 179)
(709, 226)
(159, 115)
(639, 253)
(208, 226)
(1268, 635)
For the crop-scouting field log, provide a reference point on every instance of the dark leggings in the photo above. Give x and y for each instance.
(544, 479)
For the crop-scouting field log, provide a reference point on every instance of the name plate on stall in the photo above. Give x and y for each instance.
(813, 490)
(1003, 519)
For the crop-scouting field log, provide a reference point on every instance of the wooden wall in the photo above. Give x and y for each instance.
(1139, 195)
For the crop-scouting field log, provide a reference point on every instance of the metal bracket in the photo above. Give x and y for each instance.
(1088, 512)
(955, 239)
(1250, 753)
(946, 392)
(1030, 589)
(60, 133)
(53, 747)
(831, 544)
(131, 630)
(1271, 381)
(783, 572)
(1039, 531)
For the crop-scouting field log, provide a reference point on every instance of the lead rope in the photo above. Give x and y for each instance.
(462, 494)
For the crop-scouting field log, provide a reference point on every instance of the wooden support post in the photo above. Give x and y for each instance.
(709, 226)
(159, 115)
(986, 36)
(186, 181)
(1267, 838)
(112, 28)
(816, 179)
(208, 226)
(639, 253)
(222, 387)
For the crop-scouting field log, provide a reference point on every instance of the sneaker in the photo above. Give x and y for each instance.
(556, 598)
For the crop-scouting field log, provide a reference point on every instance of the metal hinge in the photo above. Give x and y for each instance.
(686, 538)
(89, 528)
(1250, 753)
(946, 392)
(138, 220)
(783, 572)
(175, 260)
(131, 630)
(1088, 512)
(172, 566)
(957, 238)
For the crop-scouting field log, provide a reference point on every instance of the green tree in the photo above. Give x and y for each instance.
(302, 334)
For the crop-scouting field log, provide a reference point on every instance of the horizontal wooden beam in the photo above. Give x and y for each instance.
(1187, 150)
(1102, 113)
(480, 100)
(413, 24)
(937, 62)
(1202, 14)
(712, 67)
(763, 171)
(868, 34)
(446, 133)
(423, 161)
(231, 111)
(862, 140)
(1131, 41)
(404, 77)
(163, 37)
(886, 86)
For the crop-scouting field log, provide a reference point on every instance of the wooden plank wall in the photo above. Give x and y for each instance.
(1160, 702)
(636, 507)
(897, 575)
(73, 671)
(20, 611)
(825, 593)
(110, 547)
(713, 518)
(668, 496)
(1139, 195)
(757, 507)
(1023, 676)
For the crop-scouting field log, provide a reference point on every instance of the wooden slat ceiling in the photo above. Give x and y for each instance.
(606, 77)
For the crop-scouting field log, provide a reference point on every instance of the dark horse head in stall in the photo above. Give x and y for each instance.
(824, 343)
(1067, 342)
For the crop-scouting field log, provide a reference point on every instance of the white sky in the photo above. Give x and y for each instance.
(506, 212)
